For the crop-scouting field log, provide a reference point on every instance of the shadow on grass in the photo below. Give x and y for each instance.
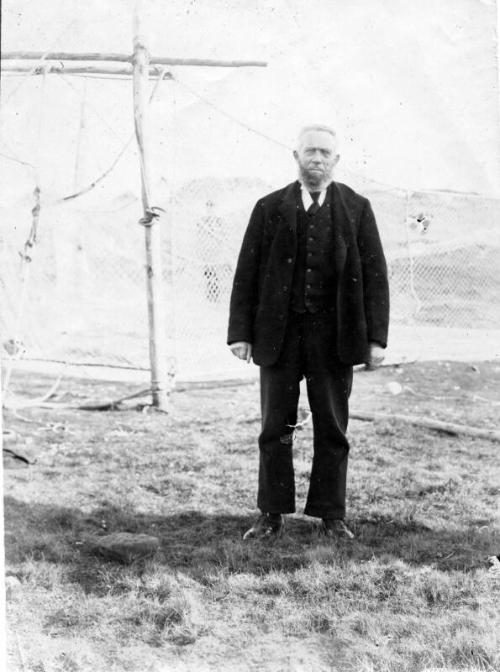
(200, 544)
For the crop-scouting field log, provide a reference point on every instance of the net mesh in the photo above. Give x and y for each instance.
(82, 297)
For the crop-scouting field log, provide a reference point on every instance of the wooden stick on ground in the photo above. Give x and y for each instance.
(436, 425)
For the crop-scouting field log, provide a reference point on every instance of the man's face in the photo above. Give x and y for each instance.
(316, 157)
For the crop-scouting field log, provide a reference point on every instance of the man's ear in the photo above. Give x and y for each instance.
(336, 159)
(295, 155)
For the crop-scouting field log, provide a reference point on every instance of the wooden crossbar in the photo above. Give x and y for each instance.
(140, 66)
(126, 58)
(60, 69)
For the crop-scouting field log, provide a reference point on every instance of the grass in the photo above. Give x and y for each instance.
(411, 593)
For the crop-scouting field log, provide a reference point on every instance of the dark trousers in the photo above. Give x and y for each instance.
(308, 351)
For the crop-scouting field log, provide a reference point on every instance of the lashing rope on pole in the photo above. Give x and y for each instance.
(163, 73)
(89, 187)
(161, 76)
(26, 254)
(36, 68)
(152, 212)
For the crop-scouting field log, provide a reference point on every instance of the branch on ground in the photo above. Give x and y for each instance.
(435, 425)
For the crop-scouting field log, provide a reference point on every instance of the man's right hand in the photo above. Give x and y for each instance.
(242, 350)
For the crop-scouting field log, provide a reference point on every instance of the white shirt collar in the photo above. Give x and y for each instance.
(307, 201)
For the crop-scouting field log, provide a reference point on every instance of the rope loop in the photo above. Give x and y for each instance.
(41, 69)
(152, 213)
(162, 72)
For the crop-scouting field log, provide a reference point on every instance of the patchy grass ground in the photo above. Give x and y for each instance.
(412, 592)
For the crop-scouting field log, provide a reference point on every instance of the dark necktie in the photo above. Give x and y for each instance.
(315, 206)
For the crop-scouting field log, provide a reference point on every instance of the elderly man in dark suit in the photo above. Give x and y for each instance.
(310, 299)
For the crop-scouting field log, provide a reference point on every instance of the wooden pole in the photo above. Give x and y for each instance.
(156, 304)
(126, 58)
(60, 69)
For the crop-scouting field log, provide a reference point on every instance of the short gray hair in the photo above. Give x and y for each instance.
(316, 127)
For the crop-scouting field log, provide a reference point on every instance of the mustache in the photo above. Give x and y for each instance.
(315, 169)
(315, 172)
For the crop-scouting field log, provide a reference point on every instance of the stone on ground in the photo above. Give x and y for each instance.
(124, 546)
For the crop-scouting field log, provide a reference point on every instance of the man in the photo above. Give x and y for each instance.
(310, 299)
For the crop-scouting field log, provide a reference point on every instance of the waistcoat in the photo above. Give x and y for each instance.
(314, 277)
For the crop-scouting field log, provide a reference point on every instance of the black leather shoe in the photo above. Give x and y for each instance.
(336, 529)
(267, 526)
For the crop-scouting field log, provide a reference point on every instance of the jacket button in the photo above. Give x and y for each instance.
(308, 286)
(289, 260)
(309, 270)
(285, 288)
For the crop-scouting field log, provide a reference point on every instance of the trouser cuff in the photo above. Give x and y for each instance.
(337, 514)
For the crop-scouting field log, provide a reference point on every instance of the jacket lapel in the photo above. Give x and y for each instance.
(288, 206)
(342, 226)
(342, 216)
(341, 213)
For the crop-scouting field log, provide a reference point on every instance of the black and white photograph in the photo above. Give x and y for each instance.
(250, 336)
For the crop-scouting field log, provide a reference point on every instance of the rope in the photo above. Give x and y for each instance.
(94, 184)
(36, 67)
(122, 151)
(150, 215)
(81, 128)
(386, 185)
(162, 74)
(64, 78)
(16, 160)
(147, 219)
(274, 140)
(411, 259)
(14, 406)
(26, 254)
(230, 116)
(108, 211)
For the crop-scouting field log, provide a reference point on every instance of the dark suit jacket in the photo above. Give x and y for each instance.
(263, 278)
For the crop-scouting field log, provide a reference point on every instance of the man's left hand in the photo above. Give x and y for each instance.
(375, 357)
